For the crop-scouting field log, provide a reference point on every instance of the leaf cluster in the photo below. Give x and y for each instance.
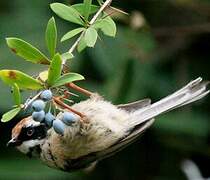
(54, 77)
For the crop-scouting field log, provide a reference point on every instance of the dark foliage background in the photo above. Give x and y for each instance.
(159, 47)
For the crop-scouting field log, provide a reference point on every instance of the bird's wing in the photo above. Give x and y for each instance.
(135, 105)
(84, 161)
(124, 142)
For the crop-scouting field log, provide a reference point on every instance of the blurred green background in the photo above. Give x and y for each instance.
(159, 47)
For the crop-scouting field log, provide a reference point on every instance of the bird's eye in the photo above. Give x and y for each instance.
(30, 132)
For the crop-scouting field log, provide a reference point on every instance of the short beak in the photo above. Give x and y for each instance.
(12, 143)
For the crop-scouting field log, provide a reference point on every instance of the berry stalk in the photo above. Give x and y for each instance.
(79, 89)
(62, 104)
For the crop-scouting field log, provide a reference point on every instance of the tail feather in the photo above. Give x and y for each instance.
(193, 91)
(197, 98)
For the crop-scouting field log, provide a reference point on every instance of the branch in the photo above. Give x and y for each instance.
(27, 104)
(92, 21)
(79, 89)
(71, 50)
(73, 47)
(63, 105)
(106, 4)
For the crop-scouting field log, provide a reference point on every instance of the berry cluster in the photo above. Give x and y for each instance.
(48, 118)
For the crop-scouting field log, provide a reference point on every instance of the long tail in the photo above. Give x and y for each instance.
(193, 91)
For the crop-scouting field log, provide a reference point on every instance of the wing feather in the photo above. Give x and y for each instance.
(135, 105)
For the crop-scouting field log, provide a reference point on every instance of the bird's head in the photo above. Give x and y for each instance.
(28, 135)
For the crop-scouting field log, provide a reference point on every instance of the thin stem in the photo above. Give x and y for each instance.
(62, 104)
(68, 94)
(79, 89)
(107, 3)
(50, 107)
(54, 108)
(32, 100)
(71, 50)
(68, 100)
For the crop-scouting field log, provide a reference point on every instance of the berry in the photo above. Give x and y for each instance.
(38, 116)
(59, 126)
(49, 118)
(46, 95)
(68, 118)
(38, 105)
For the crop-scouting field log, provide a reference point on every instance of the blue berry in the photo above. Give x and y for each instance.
(38, 116)
(46, 95)
(38, 105)
(59, 126)
(49, 118)
(68, 118)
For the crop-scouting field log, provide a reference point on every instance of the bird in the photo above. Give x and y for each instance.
(105, 130)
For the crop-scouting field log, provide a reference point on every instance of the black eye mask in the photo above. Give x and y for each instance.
(32, 133)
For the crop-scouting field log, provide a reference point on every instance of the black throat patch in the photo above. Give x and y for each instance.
(34, 151)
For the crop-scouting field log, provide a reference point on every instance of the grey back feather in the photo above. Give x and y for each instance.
(130, 107)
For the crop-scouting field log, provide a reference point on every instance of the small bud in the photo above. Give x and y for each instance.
(59, 126)
(69, 118)
(49, 118)
(38, 116)
(38, 105)
(46, 95)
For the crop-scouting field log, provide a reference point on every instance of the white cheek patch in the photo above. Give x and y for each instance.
(25, 146)
(32, 123)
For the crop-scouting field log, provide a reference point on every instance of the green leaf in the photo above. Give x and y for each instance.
(91, 37)
(71, 34)
(100, 2)
(82, 45)
(67, 56)
(80, 8)
(10, 114)
(67, 12)
(107, 26)
(55, 68)
(51, 36)
(27, 51)
(68, 78)
(43, 76)
(22, 80)
(16, 94)
(87, 8)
